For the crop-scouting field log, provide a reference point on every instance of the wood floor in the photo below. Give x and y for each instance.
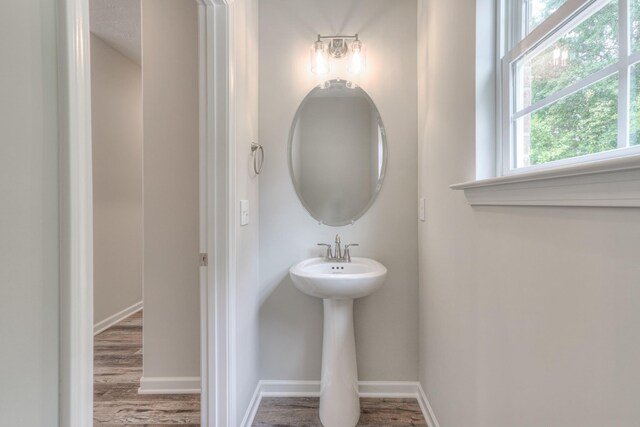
(303, 412)
(117, 371)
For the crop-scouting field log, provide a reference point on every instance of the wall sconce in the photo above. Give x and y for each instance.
(338, 47)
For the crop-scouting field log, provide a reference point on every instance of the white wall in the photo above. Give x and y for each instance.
(116, 125)
(171, 228)
(291, 322)
(247, 306)
(28, 215)
(529, 316)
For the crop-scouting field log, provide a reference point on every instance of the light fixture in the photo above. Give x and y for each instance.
(319, 58)
(338, 47)
(358, 57)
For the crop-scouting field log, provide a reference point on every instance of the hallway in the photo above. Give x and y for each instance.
(117, 372)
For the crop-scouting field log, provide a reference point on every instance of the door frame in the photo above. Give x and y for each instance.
(217, 195)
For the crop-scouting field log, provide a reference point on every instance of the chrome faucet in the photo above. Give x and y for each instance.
(337, 255)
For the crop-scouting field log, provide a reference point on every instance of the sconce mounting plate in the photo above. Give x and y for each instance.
(338, 48)
(338, 45)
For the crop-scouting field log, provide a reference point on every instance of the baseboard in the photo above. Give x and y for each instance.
(250, 414)
(427, 410)
(273, 388)
(396, 389)
(169, 385)
(380, 389)
(116, 318)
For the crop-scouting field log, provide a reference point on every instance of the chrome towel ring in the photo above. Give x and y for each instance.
(257, 161)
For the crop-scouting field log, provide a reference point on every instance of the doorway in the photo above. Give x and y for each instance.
(76, 209)
(144, 96)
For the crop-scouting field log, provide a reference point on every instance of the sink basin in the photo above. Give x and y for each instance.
(338, 284)
(338, 280)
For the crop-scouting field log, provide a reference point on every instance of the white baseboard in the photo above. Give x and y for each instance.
(380, 389)
(427, 410)
(116, 318)
(250, 415)
(269, 388)
(169, 385)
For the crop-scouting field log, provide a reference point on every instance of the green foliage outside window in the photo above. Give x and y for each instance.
(584, 122)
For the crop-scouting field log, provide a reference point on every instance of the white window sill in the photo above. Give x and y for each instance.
(603, 183)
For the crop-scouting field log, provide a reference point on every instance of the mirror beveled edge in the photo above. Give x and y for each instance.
(385, 154)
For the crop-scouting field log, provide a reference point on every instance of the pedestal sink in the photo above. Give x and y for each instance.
(338, 284)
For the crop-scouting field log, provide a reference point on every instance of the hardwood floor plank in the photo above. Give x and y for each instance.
(303, 412)
(144, 425)
(117, 372)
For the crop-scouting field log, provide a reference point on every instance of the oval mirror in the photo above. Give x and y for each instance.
(337, 153)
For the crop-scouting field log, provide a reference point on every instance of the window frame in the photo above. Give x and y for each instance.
(590, 182)
(511, 21)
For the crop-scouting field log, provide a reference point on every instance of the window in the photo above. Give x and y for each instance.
(567, 114)
(570, 82)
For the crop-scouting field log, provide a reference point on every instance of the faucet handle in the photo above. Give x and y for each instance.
(347, 253)
(329, 255)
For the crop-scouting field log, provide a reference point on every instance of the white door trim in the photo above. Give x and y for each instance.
(218, 148)
(76, 212)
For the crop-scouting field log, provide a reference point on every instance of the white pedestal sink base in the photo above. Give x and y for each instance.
(339, 400)
(338, 284)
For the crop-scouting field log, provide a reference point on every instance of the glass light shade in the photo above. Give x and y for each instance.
(357, 57)
(319, 58)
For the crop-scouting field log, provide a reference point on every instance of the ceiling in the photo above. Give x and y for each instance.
(117, 22)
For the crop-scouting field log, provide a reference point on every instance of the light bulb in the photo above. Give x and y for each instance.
(319, 58)
(358, 57)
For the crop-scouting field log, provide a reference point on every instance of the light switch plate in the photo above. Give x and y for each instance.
(421, 209)
(244, 212)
